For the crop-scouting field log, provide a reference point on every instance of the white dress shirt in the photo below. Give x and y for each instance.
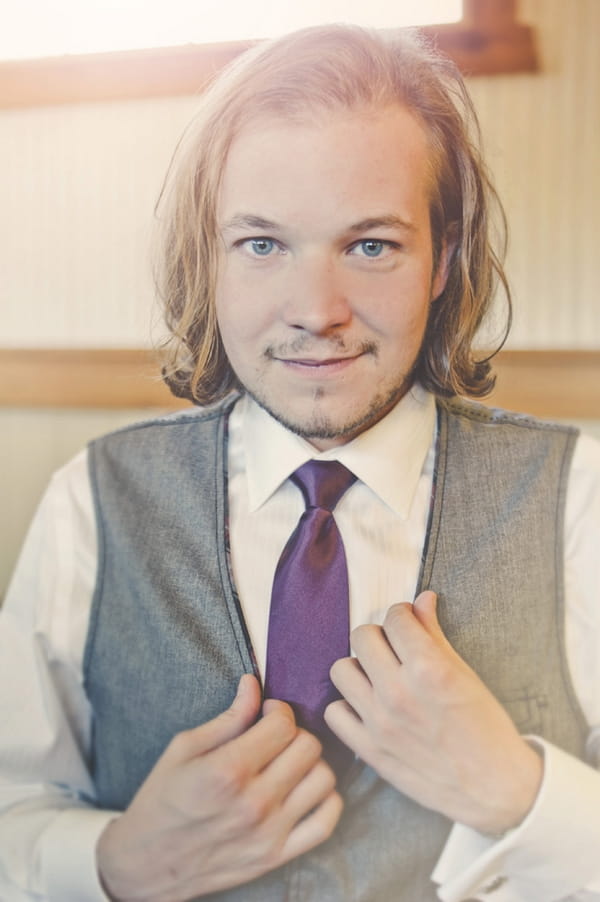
(48, 825)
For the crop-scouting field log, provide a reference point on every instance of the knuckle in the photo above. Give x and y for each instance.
(309, 745)
(325, 826)
(288, 729)
(392, 701)
(337, 669)
(384, 725)
(252, 811)
(182, 745)
(397, 614)
(432, 672)
(363, 633)
(227, 779)
(326, 776)
(284, 724)
(359, 631)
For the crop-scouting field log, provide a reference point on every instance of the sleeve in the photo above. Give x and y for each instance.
(555, 853)
(48, 823)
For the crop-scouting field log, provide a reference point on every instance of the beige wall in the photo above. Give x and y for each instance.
(542, 134)
(78, 184)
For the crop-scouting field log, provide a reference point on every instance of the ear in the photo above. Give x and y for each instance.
(440, 276)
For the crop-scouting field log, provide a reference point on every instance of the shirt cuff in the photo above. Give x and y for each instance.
(68, 856)
(554, 852)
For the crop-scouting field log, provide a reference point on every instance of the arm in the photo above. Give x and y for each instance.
(48, 825)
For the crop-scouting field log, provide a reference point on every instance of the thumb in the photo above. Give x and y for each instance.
(248, 698)
(234, 721)
(425, 610)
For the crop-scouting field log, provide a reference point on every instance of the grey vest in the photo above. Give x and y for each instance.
(167, 643)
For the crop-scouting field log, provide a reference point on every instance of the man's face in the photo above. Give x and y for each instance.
(326, 271)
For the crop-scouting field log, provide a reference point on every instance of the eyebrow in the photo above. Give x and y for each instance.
(378, 222)
(249, 221)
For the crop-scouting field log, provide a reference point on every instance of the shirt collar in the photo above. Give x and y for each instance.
(388, 457)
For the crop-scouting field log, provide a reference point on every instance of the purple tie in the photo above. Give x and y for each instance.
(308, 621)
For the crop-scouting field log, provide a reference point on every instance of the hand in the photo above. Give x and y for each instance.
(415, 711)
(226, 802)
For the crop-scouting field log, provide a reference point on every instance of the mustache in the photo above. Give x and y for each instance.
(308, 345)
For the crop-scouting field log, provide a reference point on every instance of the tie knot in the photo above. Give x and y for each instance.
(323, 482)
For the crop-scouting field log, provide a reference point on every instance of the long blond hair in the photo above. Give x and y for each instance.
(329, 68)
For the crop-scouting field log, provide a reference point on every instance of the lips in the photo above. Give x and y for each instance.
(329, 361)
(342, 358)
(311, 368)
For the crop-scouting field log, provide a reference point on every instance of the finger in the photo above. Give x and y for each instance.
(314, 829)
(342, 719)
(348, 726)
(233, 722)
(425, 610)
(310, 791)
(407, 636)
(283, 774)
(273, 704)
(376, 656)
(250, 752)
(351, 681)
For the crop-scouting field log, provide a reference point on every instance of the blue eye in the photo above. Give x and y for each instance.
(262, 247)
(371, 247)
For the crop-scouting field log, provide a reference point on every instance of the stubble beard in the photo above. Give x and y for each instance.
(322, 426)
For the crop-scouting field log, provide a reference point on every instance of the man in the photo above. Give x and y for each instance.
(327, 267)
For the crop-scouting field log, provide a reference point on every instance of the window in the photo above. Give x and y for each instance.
(96, 26)
(486, 39)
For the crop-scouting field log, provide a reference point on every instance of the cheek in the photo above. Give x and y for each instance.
(244, 309)
(401, 312)
(244, 332)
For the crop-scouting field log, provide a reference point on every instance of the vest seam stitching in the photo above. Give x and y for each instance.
(432, 531)
(230, 592)
(500, 417)
(183, 418)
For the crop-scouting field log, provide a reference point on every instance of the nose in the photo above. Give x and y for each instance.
(316, 298)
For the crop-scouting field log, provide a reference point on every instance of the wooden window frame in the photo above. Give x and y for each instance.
(487, 40)
(553, 384)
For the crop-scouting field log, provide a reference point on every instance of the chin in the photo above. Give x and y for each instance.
(326, 427)
(323, 418)
(310, 423)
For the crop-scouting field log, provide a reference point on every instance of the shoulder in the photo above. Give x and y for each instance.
(181, 448)
(186, 434)
(195, 418)
(514, 446)
(461, 410)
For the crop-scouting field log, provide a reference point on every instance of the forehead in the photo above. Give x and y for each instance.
(341, 159)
